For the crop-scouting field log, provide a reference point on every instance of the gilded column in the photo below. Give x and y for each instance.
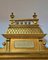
(8, 45)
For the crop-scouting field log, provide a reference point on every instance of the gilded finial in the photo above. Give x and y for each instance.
(12, 15)
(34, 16)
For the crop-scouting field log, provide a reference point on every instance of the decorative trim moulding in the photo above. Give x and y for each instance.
(24, 36)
